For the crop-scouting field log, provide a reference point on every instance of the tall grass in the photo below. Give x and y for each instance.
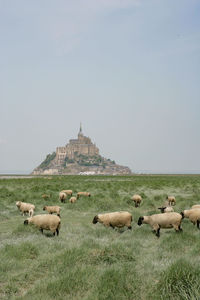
(88, 261)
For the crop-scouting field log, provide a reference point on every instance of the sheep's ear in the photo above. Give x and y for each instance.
(140, 220)
(95, 220)
(26, 222)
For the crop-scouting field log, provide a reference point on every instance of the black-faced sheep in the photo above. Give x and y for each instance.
(45, 196)
(72, 200)
(166, 209)
(114, 219)
(25, 208)
(193, 215)
(137, 199)
(157, 221)
(47, 222)
(85, 194)
(52, 209)
(171, 200)
(62, 196)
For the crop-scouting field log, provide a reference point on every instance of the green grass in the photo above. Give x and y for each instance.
(88, 261)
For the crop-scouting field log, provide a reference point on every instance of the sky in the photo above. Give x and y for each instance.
(129, 70)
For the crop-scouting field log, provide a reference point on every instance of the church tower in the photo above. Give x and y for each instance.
(80, 134)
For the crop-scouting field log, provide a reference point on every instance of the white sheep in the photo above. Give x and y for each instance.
(85, 194)
(72, 199)
(47, 222)
(52, 209)
(137, 199)
(166, 209)
(62, 196)
(67, 192)
(196, 206)
(25, 208)
(171, 200)
(114, 219)
(157, 221)
(193, 215)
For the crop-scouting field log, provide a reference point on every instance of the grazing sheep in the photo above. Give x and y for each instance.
(166, 209)
(171, 200)
(52, 209)
(47, 222)
(67, 192)
(45, 196)
(86, 194)
(72, 200)
(25, 208)
(137, 199)
(193, 215)
(62, 196)
(196, 206)
(158, 221)
(114, 219)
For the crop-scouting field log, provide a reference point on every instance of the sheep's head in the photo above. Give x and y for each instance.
(18, 203)
(140, 220)
(182, 214)
(26, 222)
(89, 195)
(95, 220)
(162, 209)
(44, 208)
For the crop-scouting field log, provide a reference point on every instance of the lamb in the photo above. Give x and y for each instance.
(158, 221)
(26, 208)
(114, 219)
(196, 206)
(67, 192)
(86, 194)
(72, 200)
(171, 200)
(166, 209)
(193, 215)
(137, 199)
(47, 222)
(62, 196)
(52, 209)
(45, 196)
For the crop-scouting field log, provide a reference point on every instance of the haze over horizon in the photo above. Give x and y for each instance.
(128, 70)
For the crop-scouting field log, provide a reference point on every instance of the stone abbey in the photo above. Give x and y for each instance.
(80, 146)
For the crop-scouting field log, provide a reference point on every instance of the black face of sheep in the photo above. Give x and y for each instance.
(162, 209)
(182, 214)
(95, 220)
(44, 207)
(26, 222)
(140, 220)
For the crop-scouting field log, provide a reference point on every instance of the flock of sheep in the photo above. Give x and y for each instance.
(166, 219)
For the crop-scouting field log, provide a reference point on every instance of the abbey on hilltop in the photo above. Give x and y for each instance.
(79, 156)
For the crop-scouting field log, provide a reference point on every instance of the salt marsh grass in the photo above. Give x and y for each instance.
(89, 261)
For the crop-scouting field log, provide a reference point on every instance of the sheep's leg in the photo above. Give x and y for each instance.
(41, 229)
(158, 232)
(198, 224)
(130, 227)
(112, 226)
(57, 231)
(179, 227)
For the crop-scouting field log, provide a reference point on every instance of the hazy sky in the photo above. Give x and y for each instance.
(129, 70)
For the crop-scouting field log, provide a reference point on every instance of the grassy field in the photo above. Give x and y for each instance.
(89, 261)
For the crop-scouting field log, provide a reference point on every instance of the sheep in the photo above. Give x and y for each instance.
(25, 208)
(47, 222)
(193, 215)
(171, 200)
(166, 209)
(158, 221)
(67, 192)
(62, 196)
(114, 219)
(52, 209)
(72, 199)
(86, 194)
(196, 206)
(137, 199)
(45, 196)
